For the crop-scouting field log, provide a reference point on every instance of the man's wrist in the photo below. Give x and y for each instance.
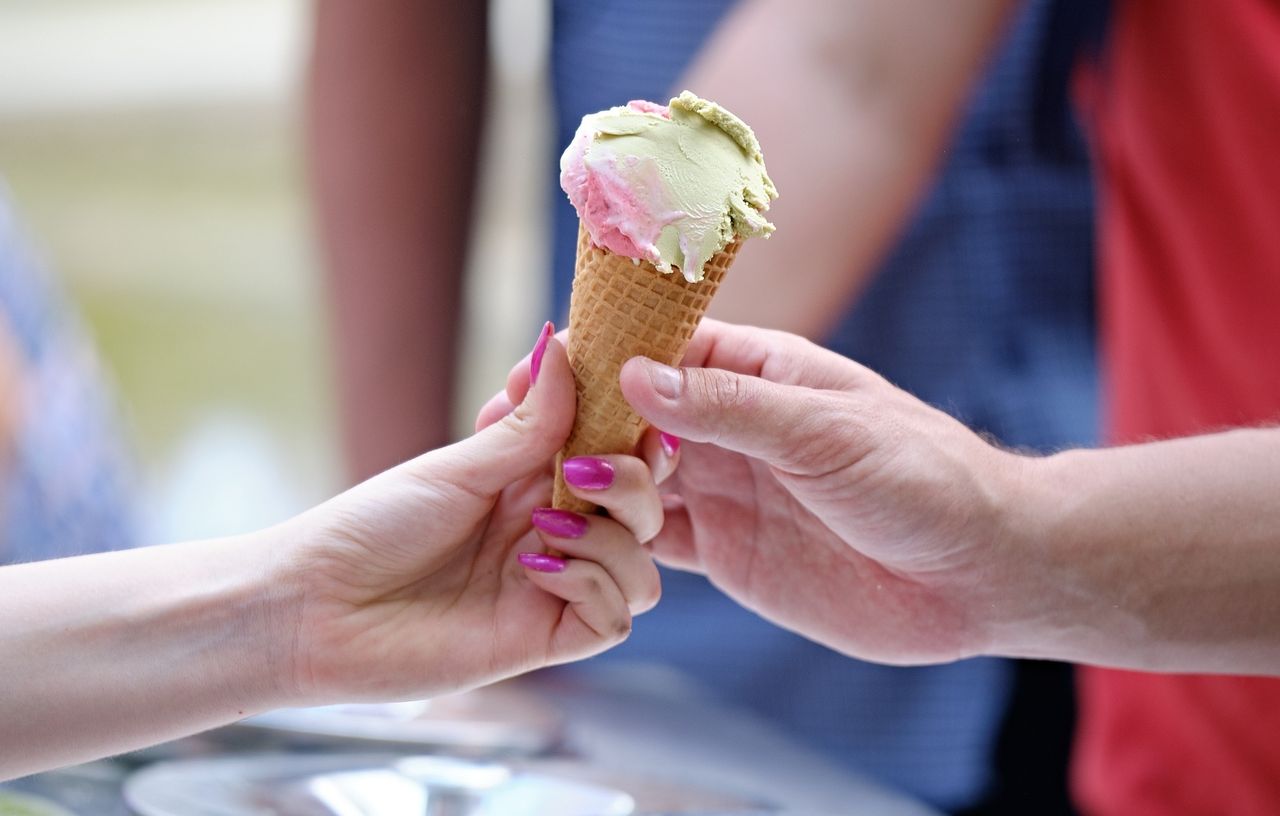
(1023, 589)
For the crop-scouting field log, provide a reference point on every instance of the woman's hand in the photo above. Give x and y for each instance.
(428, 578)
(814, 492)
(434, 576)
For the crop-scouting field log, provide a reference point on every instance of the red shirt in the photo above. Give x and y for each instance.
(1187, 135)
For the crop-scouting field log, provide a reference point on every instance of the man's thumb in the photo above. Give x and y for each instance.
(785, 425)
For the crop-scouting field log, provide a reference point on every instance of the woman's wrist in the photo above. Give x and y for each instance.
(238, 625)
(275, 574)
(179, 638)
(246, 615)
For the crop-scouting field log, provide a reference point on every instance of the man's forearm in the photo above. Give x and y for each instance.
(396, 101)
(853, 103)
(161, 642)
(1163, 556)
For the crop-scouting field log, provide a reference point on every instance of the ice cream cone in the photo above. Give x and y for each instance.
(621, 309)
(658, 189)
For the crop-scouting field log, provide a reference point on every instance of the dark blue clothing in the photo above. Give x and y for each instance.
(984, 309)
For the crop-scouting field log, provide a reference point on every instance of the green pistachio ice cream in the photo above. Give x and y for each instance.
(672, 184)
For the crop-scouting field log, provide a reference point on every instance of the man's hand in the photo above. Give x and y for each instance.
(822, 497)
(831, 502)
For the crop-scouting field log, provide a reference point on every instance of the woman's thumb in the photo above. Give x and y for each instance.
(526, 439)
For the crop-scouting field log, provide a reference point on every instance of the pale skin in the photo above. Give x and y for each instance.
(407, 586)
(815, 493)
(392, 189)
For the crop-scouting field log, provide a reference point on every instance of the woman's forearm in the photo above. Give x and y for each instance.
(160, 642)
(1163, 556)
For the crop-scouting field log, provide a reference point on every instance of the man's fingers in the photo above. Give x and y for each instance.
(773, 355)
(789, 427)
(674, 546)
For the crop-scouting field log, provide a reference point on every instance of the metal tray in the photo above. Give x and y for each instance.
(500, 720)
(388, 785)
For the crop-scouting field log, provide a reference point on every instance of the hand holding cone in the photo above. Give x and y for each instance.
(621, 309)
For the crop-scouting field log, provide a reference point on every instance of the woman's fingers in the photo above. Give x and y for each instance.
(622, 485)
(596, 616)
(521, 442)
(502, 403)
(661, 452)
(607, 543)
(498, 406)
(519, 376)
(659, 449)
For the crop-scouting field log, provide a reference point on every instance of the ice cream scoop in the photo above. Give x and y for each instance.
(672, 185)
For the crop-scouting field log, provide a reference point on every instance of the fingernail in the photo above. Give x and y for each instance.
(541, 562)
(670, 443)
(560, 523)
(665, 380)
(539, 348)
(588, 472)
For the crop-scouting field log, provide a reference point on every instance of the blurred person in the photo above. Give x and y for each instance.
(426, 579)
(65, 481)
(1184, 110)
(1156, 558)
(975, 290)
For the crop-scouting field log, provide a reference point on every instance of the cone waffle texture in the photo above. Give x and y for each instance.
(622, 309)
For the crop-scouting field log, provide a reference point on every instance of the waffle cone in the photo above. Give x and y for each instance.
(622, 309)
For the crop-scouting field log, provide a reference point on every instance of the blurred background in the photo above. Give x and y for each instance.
(152, 150)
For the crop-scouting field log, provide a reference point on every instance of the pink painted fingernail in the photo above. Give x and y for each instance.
(670, 443)
(539, 349)
(588, 472)
(541, 562)
(560, 523)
